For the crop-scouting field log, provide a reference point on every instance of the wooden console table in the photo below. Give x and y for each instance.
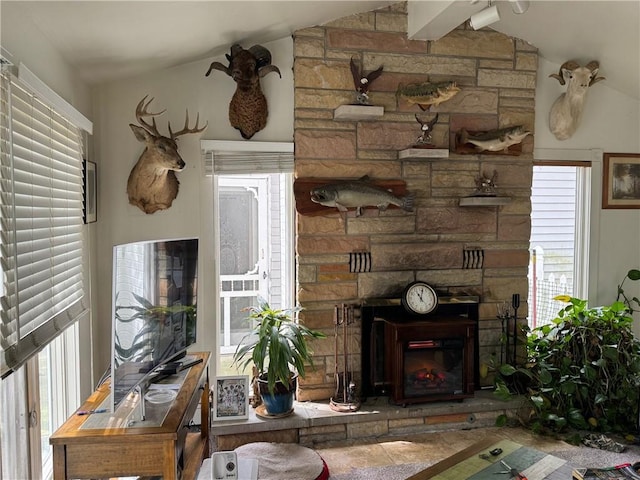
(116, 451)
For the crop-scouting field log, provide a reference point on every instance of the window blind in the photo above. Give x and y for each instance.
(41, 199)
(229, 157)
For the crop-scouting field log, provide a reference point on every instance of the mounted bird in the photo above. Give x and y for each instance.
(424, 140)
(248, 109)
(362, 82)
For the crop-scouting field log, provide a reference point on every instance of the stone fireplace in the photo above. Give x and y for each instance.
(497, 76)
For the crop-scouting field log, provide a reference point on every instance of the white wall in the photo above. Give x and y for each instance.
(610, 123)
(117, 150)
(25, 43)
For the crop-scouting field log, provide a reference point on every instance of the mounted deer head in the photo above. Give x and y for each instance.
(152, 183)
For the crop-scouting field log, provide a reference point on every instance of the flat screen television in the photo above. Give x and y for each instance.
(154, 309)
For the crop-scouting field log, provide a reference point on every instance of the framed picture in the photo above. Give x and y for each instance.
(231, 398)
(90, 184)
(621, 180)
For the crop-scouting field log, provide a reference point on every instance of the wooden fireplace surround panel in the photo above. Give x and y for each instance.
(376, 312)
(399, 334)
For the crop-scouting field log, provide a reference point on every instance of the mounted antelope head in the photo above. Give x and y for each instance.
(566, 111)
(152, 183)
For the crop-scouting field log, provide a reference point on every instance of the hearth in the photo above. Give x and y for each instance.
(415, 359)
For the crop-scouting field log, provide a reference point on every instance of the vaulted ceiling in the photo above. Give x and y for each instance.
(107, 40)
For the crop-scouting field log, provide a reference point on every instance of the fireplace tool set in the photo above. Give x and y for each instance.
(345, 398)
(504, 315)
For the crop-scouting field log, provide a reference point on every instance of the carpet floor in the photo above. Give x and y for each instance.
(399, 458)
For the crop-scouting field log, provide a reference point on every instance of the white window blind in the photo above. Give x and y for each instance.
(41, 198)
(229, 157)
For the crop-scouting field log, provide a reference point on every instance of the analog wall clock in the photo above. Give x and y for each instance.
(419, 298)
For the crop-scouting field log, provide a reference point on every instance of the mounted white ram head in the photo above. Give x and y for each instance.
(248, 107)
(566, 111)
(152, 183)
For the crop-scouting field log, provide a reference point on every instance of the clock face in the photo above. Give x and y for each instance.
(420, 298)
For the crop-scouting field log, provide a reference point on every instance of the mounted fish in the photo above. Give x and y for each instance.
(358, 194)
(248, 110)
(363, 82)
(427, 94)
(498, 140)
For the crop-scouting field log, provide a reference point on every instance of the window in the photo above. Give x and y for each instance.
(57, 390)
(255, 246)
(253, 231)
(40, 224)
(559, 237)
(42, 291)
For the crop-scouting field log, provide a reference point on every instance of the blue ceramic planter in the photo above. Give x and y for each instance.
(278, 404)
(281, 401)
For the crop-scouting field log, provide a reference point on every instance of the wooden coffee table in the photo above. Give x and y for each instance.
(477, 463)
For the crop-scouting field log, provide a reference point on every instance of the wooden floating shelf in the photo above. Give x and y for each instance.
(358, 112)
(423, 153)
(484, 201)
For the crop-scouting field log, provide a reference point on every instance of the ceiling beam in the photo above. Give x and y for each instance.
(432, 20)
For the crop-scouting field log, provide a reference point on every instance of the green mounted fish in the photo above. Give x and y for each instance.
(427, 94)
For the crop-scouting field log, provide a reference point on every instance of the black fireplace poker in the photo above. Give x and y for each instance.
(515, 303)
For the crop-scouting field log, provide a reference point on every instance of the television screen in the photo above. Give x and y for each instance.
(154, 308)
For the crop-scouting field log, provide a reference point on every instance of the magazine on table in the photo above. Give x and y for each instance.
(625, 471)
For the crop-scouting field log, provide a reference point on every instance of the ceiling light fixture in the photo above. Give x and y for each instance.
(484, 18)
(519, 6)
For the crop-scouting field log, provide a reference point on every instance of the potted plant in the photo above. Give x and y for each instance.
(634, 302)
(278, 348)
(583, 370)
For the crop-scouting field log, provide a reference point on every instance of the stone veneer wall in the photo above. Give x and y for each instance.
(497, 76)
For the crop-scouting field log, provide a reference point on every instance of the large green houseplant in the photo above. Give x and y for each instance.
(278, 347)
(583, 371)
(633, 303)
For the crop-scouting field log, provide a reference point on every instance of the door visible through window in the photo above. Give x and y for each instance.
(255, 241)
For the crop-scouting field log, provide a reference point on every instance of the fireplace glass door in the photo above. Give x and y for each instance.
(433, 367)
(428, 361)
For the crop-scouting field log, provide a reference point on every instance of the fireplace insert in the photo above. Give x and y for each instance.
(415, 359)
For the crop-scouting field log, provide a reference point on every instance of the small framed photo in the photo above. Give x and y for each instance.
(621, 180)
(90, 210)
(231, 398)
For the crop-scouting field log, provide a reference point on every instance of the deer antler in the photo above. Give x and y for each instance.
(141, 112)
(186, 128)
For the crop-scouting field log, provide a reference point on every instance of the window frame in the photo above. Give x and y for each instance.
(19, 389)
(222, 157)
(587, 208)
